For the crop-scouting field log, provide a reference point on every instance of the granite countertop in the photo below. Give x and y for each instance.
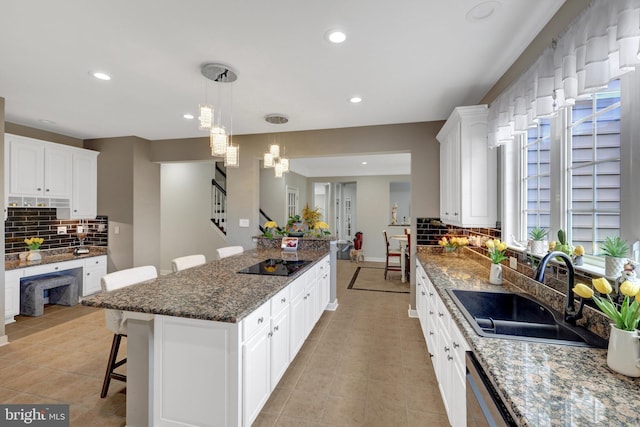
(541, 384)
(213, 291)
(12, 261)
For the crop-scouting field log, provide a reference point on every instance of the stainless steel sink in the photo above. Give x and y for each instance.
(520, 317)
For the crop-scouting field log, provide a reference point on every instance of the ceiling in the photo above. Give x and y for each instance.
(409, 60)
(361, 165)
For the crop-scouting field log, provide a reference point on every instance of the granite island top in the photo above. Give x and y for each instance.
(213, 291)
(541, 384)
(50, 256)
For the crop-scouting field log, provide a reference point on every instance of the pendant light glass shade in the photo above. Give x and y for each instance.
(232, 158)
(206, 117)
(278, 168)
(285, 164)
(274, 149)
(219, 141)
(268, 160)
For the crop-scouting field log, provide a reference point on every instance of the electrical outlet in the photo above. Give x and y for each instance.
(62, 229)
(513, 262)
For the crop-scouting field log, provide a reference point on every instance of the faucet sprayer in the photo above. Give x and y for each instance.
(570, 313)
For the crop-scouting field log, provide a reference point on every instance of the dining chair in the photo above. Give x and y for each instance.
(188, 261)
(116, 320)
(392, 254)
(229, 251)
(407, 256)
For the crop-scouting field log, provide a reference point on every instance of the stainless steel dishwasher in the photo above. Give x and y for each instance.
(484, 406)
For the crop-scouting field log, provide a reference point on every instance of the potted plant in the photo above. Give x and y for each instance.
(615, 251)
(495, 249)
(295, 226)
(538, 245)
(310, 216)
(623, 339)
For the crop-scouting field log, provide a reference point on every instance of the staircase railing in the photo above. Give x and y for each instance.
(264, 218)
(219, 201)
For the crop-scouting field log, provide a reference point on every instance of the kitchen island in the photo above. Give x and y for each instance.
(207, 345)
(540, 384)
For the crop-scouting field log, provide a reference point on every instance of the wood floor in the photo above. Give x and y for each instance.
(365, 364)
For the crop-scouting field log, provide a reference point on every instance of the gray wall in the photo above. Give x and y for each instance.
(3, 337)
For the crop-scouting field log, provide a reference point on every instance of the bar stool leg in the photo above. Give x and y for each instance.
(112, 364)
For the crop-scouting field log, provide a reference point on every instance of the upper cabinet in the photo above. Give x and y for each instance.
(468, 190)
(44, 174)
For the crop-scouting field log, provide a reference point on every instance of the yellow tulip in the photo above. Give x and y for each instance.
(578, 250)
(489, 244)
(321, 224)
(552, 245)
(270, 224)
(602, 285)
(583, 290)
(496, 242)
(630, 288)
(502, 246)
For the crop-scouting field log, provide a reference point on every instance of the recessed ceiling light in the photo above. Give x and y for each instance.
(47, 122)
(335, 36)
(482, 11)
(188, 116)
(364, 163)
(276, 119)
(355, 99)
(100, 75)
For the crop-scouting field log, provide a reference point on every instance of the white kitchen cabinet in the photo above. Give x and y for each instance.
(37, 168)
(94, 269)
(12, 294)
(44, 174)
(468, 185)
(324, 284)
(84, 198)
(256, 369)
(446, 346)
(297, 325)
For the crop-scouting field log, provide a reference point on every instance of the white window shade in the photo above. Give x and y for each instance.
(599, 46)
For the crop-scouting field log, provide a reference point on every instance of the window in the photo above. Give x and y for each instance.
(589, 172)
(292, 201)
(536, 180)
(594, 168)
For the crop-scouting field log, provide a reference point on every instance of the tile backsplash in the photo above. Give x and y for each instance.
(23, 223)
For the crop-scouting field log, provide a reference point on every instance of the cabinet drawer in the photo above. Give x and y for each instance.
(53, 267)
(280, 301)
(253, 322)
(96, 261)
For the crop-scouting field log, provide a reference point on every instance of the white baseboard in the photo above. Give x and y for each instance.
(412, 313)
(333, 306)
(4, 340)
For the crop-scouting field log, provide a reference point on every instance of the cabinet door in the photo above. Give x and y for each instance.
(298, 327)
(26, 167)
(94, 269)
(324, 284)
(256, 385)
(84, 202)
(310, 306)
(12, 294)
(453, 176)
(57, 172)
(279, 346)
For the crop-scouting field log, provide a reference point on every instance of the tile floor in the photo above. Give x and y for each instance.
(365, 364)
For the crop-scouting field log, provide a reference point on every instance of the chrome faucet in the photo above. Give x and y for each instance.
(570, 313)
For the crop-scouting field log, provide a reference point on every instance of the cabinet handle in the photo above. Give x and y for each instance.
(88, 274)
(430, 312)
(275, 328)
(440, 314)
(455, 345)
(455, 214)
(430, 333)
(446, 349)
(446, 213)
(260, 320)
(305, 297)
(423, 294)
(449, 357)
(270, 334)
(46, 190)
(283, 300)
(39, 189)
(430, 294)
(56, 268)
(430, 355)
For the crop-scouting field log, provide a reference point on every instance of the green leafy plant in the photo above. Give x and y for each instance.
(625, 318)
(614, 247)
(538, 233)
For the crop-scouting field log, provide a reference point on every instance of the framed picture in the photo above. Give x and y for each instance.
(289, 244)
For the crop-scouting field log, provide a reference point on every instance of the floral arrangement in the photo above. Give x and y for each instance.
(496, 250)
(322, 228)
(627, 317)
(34, 243)
(450, 244)
(269, 228)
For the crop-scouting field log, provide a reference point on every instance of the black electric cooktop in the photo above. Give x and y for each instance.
(276, 267)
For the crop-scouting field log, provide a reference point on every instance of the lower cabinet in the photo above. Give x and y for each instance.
(12, 294)
(94, 269)
(218, 373)
(446, 345)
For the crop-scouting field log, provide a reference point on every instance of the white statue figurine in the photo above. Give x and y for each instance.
(394, 213)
